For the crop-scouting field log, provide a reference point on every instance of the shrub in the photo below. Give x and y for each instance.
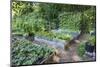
(28, 23)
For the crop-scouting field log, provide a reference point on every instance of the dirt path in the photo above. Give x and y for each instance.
(65, 56)
(69, 55)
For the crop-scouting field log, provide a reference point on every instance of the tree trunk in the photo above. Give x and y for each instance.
(81, 37)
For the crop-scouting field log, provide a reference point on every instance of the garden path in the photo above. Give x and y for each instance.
(65, 56)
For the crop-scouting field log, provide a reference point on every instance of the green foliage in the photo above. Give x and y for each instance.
(53, 16)
(92, 40)
(46, 35)
(70, 20)
(40, 19)
(81, 49)
(88, 20)
(50, 13)
(52, 36)
(28, 23)
(26, 53)
(19, 8)
(63, 36)
(84, 25)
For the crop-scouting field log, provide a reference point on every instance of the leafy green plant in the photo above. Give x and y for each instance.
(28, 29)
(28, 24)
(92, 40)
(81, 49)
(48, 35)
(52, 35)
(64, 36)
(25, 52)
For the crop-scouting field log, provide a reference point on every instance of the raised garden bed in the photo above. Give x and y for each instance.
(25, 52)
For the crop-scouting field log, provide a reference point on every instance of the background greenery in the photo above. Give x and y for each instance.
(45, 17)
(49, 21)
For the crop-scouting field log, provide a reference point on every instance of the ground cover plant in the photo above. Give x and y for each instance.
(25, 52)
